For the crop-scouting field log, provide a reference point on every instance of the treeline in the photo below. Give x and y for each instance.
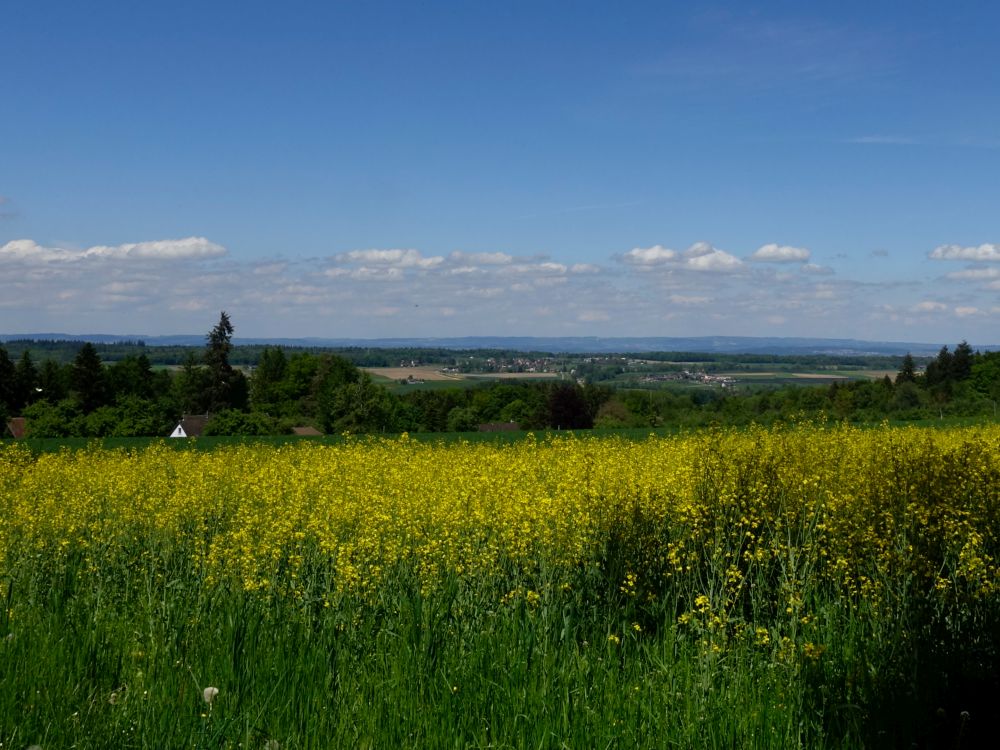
(959, 383)
(131, 397)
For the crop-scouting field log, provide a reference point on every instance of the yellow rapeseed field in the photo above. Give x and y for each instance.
(842, 508)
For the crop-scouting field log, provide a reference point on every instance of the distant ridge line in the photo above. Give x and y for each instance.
(554, 344)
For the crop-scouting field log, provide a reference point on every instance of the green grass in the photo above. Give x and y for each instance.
(123, 661)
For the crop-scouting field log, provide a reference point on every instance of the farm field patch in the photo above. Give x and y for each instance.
(430, 372)
(514, 375)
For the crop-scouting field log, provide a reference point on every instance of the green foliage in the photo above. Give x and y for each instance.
(191, 386)
(46, 420)
(226, 387)
(265, 385)
(89, 385)
(463, 419)
(568, 409)
(518, 411)
(985, 375)
(133, 376)
(233, 422)
(25, 381)
(356, 406)
(614, 414)
(54, 380)
(8, 390)
(908, 371)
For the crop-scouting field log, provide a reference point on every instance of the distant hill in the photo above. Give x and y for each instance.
(569, 344)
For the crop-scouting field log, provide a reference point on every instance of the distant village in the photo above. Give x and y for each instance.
(723, 381)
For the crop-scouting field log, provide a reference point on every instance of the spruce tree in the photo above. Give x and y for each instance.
(961, 361)
(8, 382)
(88, 379)
(222, 376)
(908, 371)
(26, 380)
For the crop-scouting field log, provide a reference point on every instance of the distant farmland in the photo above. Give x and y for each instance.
(425, 372)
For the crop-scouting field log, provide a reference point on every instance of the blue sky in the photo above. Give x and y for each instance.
(521, 168)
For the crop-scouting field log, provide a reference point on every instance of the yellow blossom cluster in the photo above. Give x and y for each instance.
(844, 507)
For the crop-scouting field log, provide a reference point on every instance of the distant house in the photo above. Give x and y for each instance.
(191, 425)
(306, 431)
(499, 427)
(17, 426)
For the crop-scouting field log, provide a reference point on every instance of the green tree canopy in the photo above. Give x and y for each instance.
(908, 371)
(227, 388)
(8, 389)
(88, 380)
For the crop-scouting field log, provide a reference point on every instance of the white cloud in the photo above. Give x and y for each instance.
(774, 253)
(29, 251)
(698, 249)
(169, 286)
(398, 258)
(550, 281)
(188, 248)
(480, 259)
(985, 252)
(649, 256)
(701, 256)
(488, 292)
(549, 267)
(366, 273)
(545, 268)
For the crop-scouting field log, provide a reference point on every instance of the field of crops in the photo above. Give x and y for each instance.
(786, 587)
